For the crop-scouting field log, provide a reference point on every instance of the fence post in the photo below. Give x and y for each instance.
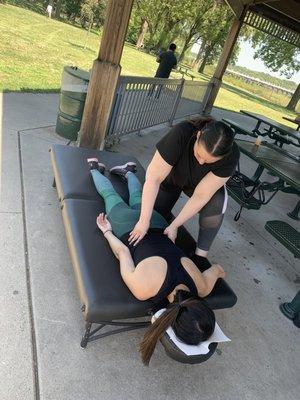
(176, 102)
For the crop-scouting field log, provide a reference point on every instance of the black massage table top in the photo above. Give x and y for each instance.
(72, 175)
(103, 294)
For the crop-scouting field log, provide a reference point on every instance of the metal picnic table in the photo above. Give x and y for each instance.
(284, 167)
(238, 129)
(274, 128)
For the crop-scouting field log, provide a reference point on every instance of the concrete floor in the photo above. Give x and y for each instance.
(41, 323)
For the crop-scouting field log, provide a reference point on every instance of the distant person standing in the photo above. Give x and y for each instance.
(49, 10)
(167, 61)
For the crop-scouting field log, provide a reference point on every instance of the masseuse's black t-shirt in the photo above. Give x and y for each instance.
(176, 148)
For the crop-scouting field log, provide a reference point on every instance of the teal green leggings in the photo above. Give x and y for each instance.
(122, 216)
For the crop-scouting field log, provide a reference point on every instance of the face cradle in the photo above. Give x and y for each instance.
(202, 155)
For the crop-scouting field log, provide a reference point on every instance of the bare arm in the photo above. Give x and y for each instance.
(133, 278)
(156, 172)
(204, 281)
(134, 281)
(202, 194)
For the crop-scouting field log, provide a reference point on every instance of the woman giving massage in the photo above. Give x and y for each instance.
(155, 269)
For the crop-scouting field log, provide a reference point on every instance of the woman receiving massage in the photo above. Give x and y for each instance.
(155, 269)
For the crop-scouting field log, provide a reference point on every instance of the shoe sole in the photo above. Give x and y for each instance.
(101, 165)
(130, 163)
(92, 160)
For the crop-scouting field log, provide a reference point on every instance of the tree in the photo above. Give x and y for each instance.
(294, 99)
(142, 33)
(58, 8)
(72, 9)
(278, 56)
(213, 34)
(193, 23)
(153, 22)
(144, 16)
(91, 10)
(173, 13)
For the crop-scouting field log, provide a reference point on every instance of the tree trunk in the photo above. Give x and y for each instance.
(58, 8)
(184, 49)
(202, 65)
(204, 60)
(294, 99)
(88, 33)
(186, 44)
(196, 63)
(142, 34)
(169, 25)
(161, 41)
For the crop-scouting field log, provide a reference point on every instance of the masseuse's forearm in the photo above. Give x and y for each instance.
(149, 195)
(191, 208)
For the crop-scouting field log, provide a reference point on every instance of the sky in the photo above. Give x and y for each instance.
(246, 59)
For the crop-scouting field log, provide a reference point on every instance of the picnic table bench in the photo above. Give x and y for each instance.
(185, 70)
(237, 129)
(294, 121)
(288, 236)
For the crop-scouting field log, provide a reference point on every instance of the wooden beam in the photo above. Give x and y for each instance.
(216, 80)
(104, 76)
(236, 6)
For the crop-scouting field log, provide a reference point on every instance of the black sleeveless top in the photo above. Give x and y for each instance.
(155, 243)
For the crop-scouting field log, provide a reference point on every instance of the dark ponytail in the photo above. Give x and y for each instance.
(156, 331)
(190, 318)
(200, 122)
(216, 136)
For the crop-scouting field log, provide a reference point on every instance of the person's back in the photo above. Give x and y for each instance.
(157, 244)
(167, 61)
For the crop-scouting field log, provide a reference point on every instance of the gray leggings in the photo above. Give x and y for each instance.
(210, 217)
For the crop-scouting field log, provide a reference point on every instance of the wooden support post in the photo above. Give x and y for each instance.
(104, 75)
(216, 80)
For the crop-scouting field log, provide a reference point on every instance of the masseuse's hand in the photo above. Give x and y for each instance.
(138, 232)
(171, 232)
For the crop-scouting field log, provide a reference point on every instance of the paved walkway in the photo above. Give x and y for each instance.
(41, 323)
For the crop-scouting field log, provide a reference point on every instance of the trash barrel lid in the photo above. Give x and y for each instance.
(78, 73)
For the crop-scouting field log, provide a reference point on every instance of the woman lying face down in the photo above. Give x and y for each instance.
(155, 269)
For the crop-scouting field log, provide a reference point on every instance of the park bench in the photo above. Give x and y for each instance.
(288, 236)
(295, 121)
(185, 70)
(105, 299)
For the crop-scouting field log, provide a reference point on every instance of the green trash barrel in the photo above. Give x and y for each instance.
(74, 86)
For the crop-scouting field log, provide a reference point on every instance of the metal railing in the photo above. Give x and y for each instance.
(191, 99)
(144, 102)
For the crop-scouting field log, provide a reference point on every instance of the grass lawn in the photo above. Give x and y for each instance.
(34, 50)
